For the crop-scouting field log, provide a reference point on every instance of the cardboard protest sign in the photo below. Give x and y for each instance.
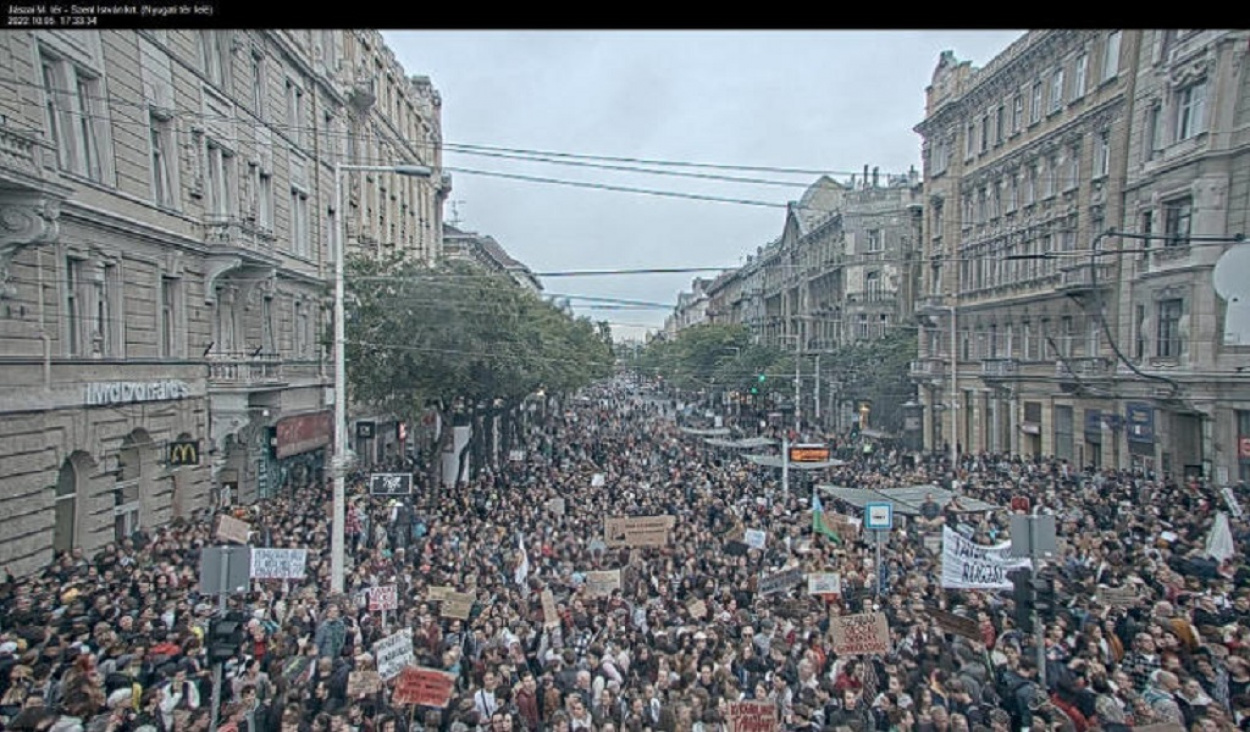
(697, 609)
(780, 581)
(383, 598)
(363, 682)
(393, 653)
(637, 531)
(1118, 596)
(859, 635)
(232, 529)
(438, 593)
(736, 549)
(556, 506)
(752, 716)
(597, 480)
(457, 605)
(955, 624)
(278, 563)
(425, 687)
(551, 616)
(824, 583)
(755, 538)
(602, 584)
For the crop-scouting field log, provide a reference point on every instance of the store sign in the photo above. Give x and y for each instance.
(302, 433)
(1140, 420)
(127, 392)
(364, 430)
(809, 453)
(184, 452)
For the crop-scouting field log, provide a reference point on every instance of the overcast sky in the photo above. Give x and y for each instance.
(829, 101)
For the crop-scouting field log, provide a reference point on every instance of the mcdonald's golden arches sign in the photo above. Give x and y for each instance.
(184, 452)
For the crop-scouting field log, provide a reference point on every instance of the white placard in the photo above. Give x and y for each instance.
(278, 563)
(393, 653)
(824, 583)
(967, 565)
(383, 598)
(755, 538)
(598, 480)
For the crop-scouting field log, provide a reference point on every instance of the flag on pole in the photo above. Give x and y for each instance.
(1220, 540)
(818, 520)
(523, 568)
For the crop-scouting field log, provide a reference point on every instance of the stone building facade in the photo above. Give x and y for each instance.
(1068, 340)
(169, 214)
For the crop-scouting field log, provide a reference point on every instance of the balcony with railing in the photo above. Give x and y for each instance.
(1084, 277)
(1083, 368)
(1000, 368)
(927, 369)
(241, 370)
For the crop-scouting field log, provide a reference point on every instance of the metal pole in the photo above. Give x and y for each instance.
(954, 400)
(221, 614)
(785, 463)
(339, 467)
(797, 377)
(1039, 632)
(816, 400)
(880, 568)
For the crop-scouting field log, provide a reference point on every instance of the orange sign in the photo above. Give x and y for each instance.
(809, 454)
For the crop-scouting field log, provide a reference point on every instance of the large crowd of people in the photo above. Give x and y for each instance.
(1147, 628)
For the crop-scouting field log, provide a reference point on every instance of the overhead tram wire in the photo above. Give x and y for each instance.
(618, 189)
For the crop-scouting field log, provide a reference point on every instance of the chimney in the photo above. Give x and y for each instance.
(875, 172)
(865, 179)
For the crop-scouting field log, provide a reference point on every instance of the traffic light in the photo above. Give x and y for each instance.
(1022, 594)
(1044, 600)
(225, 635)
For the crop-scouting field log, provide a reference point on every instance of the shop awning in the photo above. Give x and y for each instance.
(710, 432)
(747, 444)
(906, 501)
(774, 461)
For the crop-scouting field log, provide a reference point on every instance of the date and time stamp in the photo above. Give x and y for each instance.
(20, 14)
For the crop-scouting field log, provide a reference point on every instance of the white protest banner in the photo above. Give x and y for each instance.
(278, 563)
(383, 598)
(1230, 498)
(824, 583)
(601, 584)
(230, 528)
(393, 653)
(752, 716)
(754, 538)
(779, 581)
(598, 480)
(967, 565)
(863, 634)
(637, 531)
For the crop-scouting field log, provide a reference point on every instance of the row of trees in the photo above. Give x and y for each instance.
(467, 342)
(724, 358)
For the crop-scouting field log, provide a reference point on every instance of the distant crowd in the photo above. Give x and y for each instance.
(1149, 628)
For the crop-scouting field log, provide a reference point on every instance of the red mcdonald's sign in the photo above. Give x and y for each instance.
(304, 432)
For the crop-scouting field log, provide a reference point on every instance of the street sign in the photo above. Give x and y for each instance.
(809, 453)
(236, 577)
(390, 484)
(879, 516)
(1032, 536)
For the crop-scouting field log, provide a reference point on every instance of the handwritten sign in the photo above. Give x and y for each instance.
(637, 531)
(597, 480)
(1117, 596)
(555, 506)
(393, 653)
(438, 593)
(383, 598)
(780, 581)
(602, 584)
(363, 682)
(425, 687)
(955, 624)
(824, 583)
(457, 605)
(232, 529)
(278, 563)
(551, 617)
(859, 635)
(752, 716)
(755, 538)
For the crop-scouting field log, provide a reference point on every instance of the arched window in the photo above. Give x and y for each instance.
(65, 529)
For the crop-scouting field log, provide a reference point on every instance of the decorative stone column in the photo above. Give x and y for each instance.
(26, 219)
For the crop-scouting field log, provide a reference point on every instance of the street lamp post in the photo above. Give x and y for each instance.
(340, 462)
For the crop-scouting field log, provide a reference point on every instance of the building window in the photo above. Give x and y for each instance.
(1013, 191)
(1177, 221)
(874, 240)
(294, 112)
(75, 117)
(862, 326)
(266, 326)
(54, 109)
(169, 317)
(1065, 336)
(1017, 112)
(1000, 124)
(264, 201)
(219, 180)
(872, 286)
(1078, 78)
(985, 132)
(301, 228)
(87, 131)
(104, 291)
(214, 53)
(1072, 173)
(1056, 90)
(258, 84)
(1139, 344)
(1102, 154)
(164, 160)
(1052, 172)
(1035, 110)
(1154, 132)
(1191, 102)
(1111, 56)
(74, 281)
(65, 531)
(970, 140)
(1147, 225)
(1030, 185)
(1169, 342)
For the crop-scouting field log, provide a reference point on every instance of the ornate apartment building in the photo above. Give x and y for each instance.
(169, 220)
(1069, 340)
(483, 251)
